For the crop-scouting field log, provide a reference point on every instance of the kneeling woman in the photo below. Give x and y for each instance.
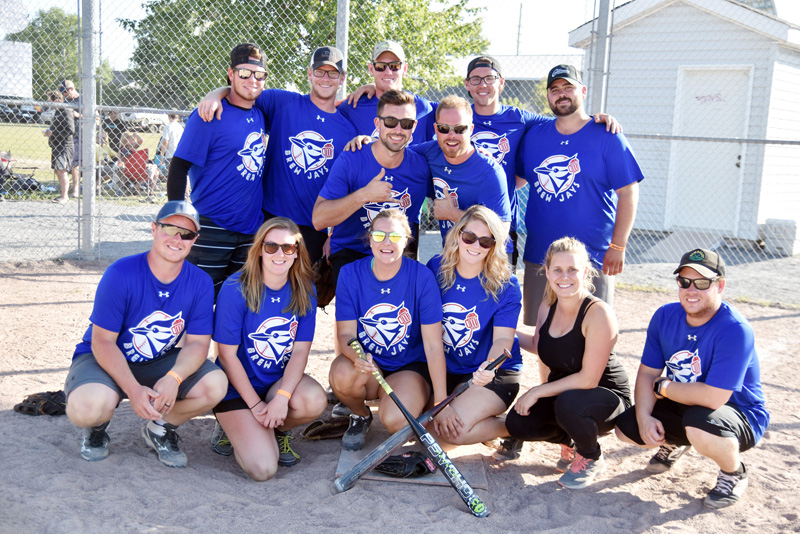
(391, 304)
(586, 387)
(481, 305)
(264, 324)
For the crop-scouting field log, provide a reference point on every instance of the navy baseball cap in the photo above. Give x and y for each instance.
(182, 208)
(241, 55)
(564, 72)
(484, 61)
(327, 55)
(706, 262)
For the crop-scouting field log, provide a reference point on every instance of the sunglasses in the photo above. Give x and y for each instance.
(379, 236)
(392, 122)
(700, 283)
(476, 80)
(469, 238)
(172, 230)
(444, 129)
(259, 75)
(380, 66)
(272, 248)
(332, 74)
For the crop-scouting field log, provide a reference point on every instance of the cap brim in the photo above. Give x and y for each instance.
(315, 66)
(573, 81)
(701, 270)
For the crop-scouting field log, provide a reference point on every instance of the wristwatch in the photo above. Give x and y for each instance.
(660, 387)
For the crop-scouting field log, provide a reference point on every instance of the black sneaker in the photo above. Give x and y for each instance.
(94, 446)
(220, 443)
(286, 457)
(340, 410)
(166, 446)
(728, 490)
(509, 449)
(356, 435)
(665, 458)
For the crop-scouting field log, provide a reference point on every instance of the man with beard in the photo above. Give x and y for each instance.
(224, 161)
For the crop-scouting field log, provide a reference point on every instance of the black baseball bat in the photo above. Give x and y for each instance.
(396, 440)
(430, 447)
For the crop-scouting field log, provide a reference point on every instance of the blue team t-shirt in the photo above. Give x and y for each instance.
(469, 318)
(720, 353)
(227, 158)
(363, 117)
(304, 142)
(354, 170)
(266, 339)
(573, 181)
(150, 316)
(389, 314)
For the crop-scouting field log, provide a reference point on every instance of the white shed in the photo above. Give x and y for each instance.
(716, 69)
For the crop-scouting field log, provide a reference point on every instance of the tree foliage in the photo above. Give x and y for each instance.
(183, 46)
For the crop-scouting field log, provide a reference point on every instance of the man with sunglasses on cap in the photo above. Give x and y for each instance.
(710, 397)
(147, 305)
(306, 136)
(224, 160)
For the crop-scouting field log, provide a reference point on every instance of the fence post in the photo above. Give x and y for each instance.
(598, 73)
(342, 29)
(87, 126)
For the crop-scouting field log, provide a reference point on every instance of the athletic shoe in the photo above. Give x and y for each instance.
(166, 446)
(509, 449)
(340, 410)
(582, 472)
(220, 442)
(665, 458)
(356, 435)
(94, 446)
(728, 490)
(287, 457)
(567, 457)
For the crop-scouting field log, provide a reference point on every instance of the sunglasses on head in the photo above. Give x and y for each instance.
(469, 238)
(332, 74)
(444, 129)
(379, 236)
(476, 80)
(272, 248)
(172, 230)
(244, 74)
(392, 122)
(380, 66)
(700, 283)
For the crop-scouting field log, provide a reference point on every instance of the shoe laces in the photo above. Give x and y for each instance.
(96, 438)
(171, 438)
(285, 445)
(579, 463)
(223, 440)
(725, 483)
(567, 453)
(663, 453)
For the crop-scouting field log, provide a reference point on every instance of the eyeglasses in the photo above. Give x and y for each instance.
(392, 122)
(700, 283)
(172, 230)
(469, 238)
(259, 75)
(380, 66)
(444, 129)
(272, 248)
(332, 74)
(379, 236)
(476, 80)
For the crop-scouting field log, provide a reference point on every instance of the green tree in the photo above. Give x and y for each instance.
(183, 45)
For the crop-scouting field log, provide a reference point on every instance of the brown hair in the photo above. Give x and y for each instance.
(572, 246)
(393, 97)
(454, 102)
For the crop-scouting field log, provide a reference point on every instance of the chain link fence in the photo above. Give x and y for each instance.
(714, 126)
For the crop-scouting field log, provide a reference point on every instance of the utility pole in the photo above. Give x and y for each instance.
(519, 26)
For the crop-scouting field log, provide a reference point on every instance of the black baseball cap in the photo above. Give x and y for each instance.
(706, 262)
(242, 54)
(327, 55)
(564, 72)
(484, 61)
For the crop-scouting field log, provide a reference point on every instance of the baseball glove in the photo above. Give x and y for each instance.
(332, 428)
(326, 288)
(45, 403)
(409, 465)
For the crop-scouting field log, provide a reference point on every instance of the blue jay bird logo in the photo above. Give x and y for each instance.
(386, 324)
(156, 334)
(493, 145)
(684, 366)
(401, 200)
(459, 324)
(274, 338)
(556, 174)
(253, 152)
(310, 150)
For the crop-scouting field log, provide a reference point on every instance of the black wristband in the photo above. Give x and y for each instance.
(256, 404)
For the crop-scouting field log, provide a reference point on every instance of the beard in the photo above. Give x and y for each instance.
(562, 112)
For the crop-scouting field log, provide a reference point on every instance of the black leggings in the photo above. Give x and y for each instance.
(577, 415)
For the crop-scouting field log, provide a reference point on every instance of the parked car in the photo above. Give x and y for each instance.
(150, 122)
(24, 115)
(7, 114)
(34, 112)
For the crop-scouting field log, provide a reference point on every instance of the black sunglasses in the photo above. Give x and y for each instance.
(272, 248)
(700, 283)
(172, 230)
(380, 66)
(469, 238)
(392, 122)
(259, 75)
(444, 129)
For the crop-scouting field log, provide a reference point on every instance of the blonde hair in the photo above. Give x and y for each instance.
(301, 276)
(571, 246)
(454, 102)
(495, 272)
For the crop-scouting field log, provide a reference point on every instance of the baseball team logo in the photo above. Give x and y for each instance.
(401, 200)
(684, 366)
(438, 188)
(154, 335)
(494, 145)
(310, 150)
(386, 324)
(459, 325)
(273, 341)
(253, 153)
(556, 177)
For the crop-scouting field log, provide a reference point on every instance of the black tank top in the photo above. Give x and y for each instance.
(564, 355)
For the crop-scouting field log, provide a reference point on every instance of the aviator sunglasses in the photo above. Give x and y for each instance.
(392, 122)
(444, 129)
(380, 66)
(172, 230)
(272, 248)
(379, 236)
(700, 283)
(469, 238)
(259, 75)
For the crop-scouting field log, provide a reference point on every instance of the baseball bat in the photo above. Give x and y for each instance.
(396, 440)
(430, 447)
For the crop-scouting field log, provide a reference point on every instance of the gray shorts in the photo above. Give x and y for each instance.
(86, 370)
